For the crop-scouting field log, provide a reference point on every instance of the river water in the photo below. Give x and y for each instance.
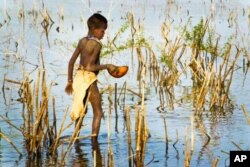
(22, 37)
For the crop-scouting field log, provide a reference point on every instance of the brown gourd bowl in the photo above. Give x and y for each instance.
(119, 71)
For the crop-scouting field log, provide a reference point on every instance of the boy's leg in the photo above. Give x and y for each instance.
(84, 103)
(95, 99)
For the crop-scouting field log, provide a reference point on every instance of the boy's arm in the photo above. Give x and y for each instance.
(92, 50)
(72, 61)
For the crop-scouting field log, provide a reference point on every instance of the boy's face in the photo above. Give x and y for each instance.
(99, 33)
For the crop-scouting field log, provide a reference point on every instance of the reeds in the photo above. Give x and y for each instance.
(188, 155)
(215, 162)
(141, 126)
(129, 139)
(110, 152)
(211, 85)
(209, 67)
(245, 113)
(166, 133)
(37, 130)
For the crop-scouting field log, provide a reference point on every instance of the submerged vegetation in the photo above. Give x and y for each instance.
(196, 53)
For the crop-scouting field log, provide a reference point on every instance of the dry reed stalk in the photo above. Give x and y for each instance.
(11, 124)
(26, 96)
(187, 154)
(243, 107)
(232, 70)
(203, 130)
(48, 135)
(143, 109)
(56, 143)
(166, 132)
(136, 122)
(197, 71)
(110, 153)
(133, 31)
(225, 63)
(12, 81)
(41, 54)
(138, 138)
(42, 121)
(237, 145)
(139, 71)
(115, 106)
(54, 116)
(220, 93)
(144, 142)
(132, 24)
(109, 114)
(137, 94)
(68, 126)
(203, 92)
(110, 157)
(192, 133)
(46, 18)
(77, 138)
(124, 96)
(121, 91)
(215, 162)
(138, 160)
(38, 129)
(10, 142)
(142, 131)
(37, 91)
(161, 94)
(128, 124)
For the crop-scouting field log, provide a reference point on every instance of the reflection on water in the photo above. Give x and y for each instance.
(30, 40)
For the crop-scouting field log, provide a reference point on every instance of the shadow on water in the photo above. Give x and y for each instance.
(96, 151)
(35, 161)
(80, 157)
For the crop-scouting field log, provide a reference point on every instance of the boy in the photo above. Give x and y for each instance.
(85, 84)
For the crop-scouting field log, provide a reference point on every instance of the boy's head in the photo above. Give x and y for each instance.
(97, 25)
(97, 21)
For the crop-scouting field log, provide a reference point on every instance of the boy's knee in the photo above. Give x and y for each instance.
(100, 114)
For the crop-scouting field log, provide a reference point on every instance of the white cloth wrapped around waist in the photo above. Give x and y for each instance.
(82, 80)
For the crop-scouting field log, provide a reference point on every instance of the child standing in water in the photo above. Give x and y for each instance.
(84, 85)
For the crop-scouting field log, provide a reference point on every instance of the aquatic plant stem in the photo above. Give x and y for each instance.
(10, 142)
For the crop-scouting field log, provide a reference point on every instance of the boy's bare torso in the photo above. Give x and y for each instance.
(89, 53)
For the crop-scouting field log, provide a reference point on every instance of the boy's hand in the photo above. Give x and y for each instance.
(68, 88)
(111, 67)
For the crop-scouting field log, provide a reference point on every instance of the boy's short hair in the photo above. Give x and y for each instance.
(97, 21)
